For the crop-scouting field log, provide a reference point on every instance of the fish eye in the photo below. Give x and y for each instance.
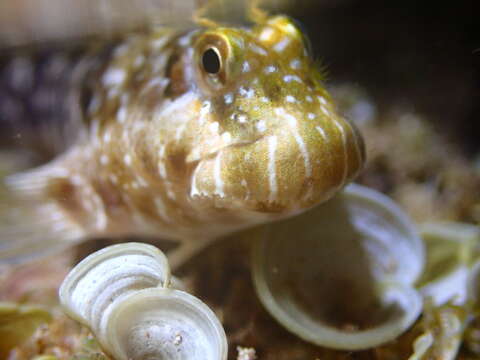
(211, 61)
(213, 56)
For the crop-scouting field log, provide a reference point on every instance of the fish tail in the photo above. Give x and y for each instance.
(31, 224)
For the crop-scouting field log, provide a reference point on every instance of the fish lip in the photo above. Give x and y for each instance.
(236, 144)
(211, 155)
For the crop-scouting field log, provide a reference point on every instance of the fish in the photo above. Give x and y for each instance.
(184, 135)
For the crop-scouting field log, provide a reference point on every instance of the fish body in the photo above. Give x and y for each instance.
(186, 136)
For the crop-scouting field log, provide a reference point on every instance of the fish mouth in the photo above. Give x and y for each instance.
(232, 145)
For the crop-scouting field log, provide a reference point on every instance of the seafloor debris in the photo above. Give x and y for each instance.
(246, 353)
(18, 323)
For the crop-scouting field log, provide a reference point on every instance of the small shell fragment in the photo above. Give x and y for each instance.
(451, 252)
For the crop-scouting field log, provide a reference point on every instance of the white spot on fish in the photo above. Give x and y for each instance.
(290, 29)
(295, 64)
(322, 132)
(272, 175)
(122, 115)
(217, 175)
(142, 181)
(205, 109)
(195, 154)
(270, 69)
(104, 159)
(246, 67)
(127, 159)
(171, 195)
(184, 41)
(161, 151)
(177, 107)
(158, 82)
(242, 118)
(160, 42)
(194, 189)
(292, 121)
(179, 131)
(282, 44)
(159, 63)
(290, 78)
(248, 93)
(325, 110)
(139, 60)
(114, 77)
(261, 126)
(214, 126)
(290, 99)
(226, 137)
(311, 116)
(266, 34)
(264, 99)
(162, 170)
(257, 49)
(107, 137)
(322, 100)
(100, 216)
(77, 180)
(228, 98)
(309, 98)
(113, 93)
(161, 209)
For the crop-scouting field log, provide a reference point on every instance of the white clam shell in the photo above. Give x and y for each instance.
(342, 274)
(124, 294)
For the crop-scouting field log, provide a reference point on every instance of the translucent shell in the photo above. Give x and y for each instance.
(452, 249)
(342, 274)
(123, 293)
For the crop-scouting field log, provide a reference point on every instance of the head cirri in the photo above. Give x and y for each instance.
(271, 139)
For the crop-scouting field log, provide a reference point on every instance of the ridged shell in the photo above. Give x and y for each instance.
(123, 294)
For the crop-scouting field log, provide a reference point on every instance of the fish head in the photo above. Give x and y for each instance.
(274, 142)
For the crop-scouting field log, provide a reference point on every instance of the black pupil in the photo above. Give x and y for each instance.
(211, 61)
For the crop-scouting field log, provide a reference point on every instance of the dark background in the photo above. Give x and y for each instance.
(424, 55)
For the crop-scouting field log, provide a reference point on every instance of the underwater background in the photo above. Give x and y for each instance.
(408, 75)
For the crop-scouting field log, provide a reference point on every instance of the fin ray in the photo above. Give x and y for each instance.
(32, 226)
